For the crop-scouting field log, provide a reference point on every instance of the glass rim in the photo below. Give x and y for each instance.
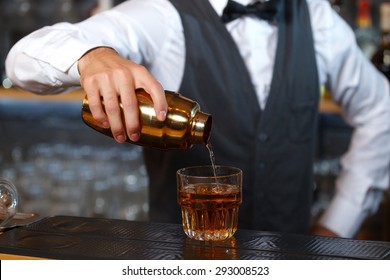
(236, 171)
(9, 184)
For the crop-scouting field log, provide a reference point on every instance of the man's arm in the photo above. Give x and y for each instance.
(364, 95)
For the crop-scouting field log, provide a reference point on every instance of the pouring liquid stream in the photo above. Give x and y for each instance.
(212, 159)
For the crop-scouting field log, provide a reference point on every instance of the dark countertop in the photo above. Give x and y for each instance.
(65, 237)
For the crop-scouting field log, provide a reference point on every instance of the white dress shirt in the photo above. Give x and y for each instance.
(149, 32)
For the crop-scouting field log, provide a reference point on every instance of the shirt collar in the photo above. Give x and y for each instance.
(219, 5)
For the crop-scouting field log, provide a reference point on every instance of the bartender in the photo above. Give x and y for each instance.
(257, 70)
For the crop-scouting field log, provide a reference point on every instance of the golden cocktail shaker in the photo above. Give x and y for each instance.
(184, 125)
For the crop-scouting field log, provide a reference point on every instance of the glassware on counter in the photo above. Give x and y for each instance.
(9, 201)
(209, 197)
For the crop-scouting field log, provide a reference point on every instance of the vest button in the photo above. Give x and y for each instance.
(263, 137)
(261, 195)
(261, 167)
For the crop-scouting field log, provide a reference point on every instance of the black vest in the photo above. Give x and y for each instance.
(274, 147)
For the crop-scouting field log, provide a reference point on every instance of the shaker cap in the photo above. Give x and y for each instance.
(201, 128)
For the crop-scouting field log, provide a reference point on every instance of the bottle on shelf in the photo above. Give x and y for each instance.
(366, 34)
(381, 58)
(336, 5)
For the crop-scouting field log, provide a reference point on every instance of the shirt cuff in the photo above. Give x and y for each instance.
(343, 217)
(63, 60)
(74, 72)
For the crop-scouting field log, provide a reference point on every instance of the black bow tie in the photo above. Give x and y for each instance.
(266, 10)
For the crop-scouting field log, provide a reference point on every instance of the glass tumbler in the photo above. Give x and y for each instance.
(209, 198)
(8, 201)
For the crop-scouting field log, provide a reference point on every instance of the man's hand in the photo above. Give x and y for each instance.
(104, 73)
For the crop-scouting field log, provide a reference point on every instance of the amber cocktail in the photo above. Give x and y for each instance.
(209, 199)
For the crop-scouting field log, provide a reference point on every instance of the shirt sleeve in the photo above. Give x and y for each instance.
(364, 95)
(45, 61)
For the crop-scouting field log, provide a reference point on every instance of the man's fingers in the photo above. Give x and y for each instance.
(113, 112)
(156, 91)
(160, 102)
(131, 113)
(95, 105)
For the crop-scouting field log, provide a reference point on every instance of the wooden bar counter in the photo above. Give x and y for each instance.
(18, 94)
(67, 237)
(326, 105)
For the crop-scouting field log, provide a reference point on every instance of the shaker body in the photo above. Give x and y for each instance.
(184, 125)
